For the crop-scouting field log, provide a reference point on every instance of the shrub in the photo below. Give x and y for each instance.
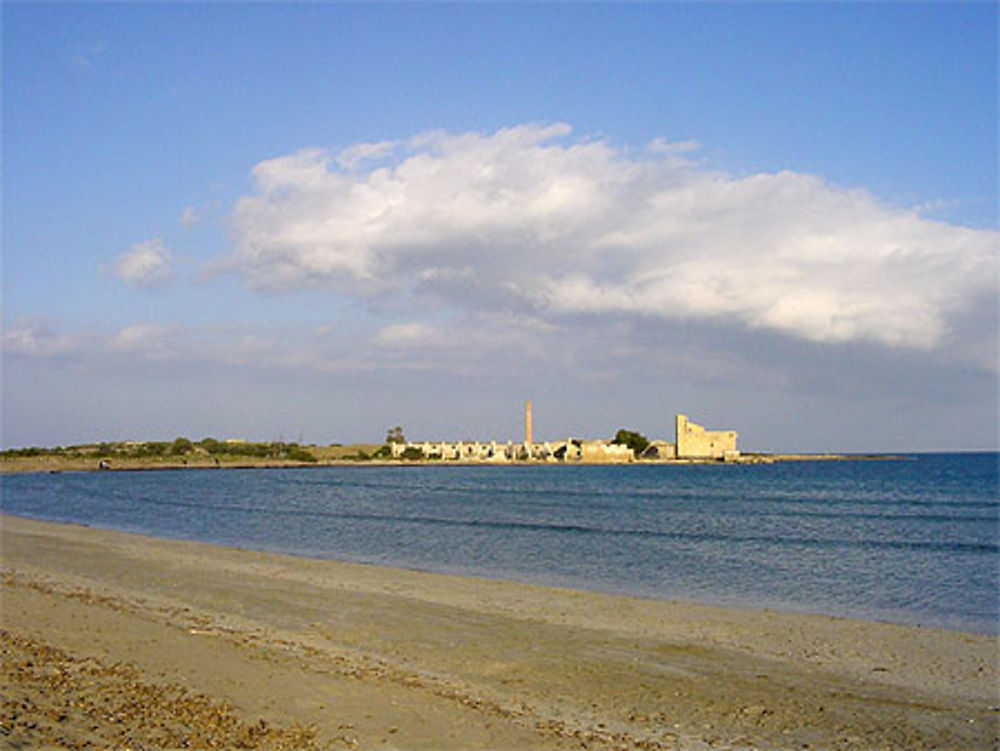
(300, 455)
(412, 453)
(181, 446)
(212, 446)
(25, 452)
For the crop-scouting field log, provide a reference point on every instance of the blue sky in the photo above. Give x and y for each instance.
(319, 220)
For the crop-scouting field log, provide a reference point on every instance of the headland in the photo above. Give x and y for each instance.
(692, 444)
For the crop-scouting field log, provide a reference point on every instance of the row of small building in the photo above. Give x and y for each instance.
(692, 442)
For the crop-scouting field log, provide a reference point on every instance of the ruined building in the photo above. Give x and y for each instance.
(692, 443)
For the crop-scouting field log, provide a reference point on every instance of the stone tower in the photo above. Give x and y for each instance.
(694, 442)
(527, 421)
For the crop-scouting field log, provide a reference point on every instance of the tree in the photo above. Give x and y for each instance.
(181, 446)
(635, 441)
(395, 435)
(412, 454)
(212, 446)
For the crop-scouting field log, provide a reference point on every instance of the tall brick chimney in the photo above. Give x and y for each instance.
(527, 421)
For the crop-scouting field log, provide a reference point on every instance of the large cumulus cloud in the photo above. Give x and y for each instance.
(529, 219)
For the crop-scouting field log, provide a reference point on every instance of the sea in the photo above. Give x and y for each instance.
(912, 540)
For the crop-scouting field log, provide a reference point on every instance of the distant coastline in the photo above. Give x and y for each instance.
(692, 444)
(51, 463)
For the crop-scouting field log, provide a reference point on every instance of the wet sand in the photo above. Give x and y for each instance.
(112, 640)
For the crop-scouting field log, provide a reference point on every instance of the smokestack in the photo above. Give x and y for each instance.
(527, 421)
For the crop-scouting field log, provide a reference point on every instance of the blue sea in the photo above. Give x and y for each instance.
(911, 541)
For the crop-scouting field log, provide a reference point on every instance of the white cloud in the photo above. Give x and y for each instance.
(405, 335)
(189, 217)
(527, 219)
(662, 146)
(147, 264)
(352, 157)
(146, 339)
(36, 336)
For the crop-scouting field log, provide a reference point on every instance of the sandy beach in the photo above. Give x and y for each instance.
(112, 640)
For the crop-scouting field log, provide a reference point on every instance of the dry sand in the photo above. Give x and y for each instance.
(112, 640)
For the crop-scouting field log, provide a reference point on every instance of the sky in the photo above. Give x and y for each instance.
(314, 222)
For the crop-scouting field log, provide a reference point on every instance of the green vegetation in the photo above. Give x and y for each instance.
(181, 449)
(181, 446)
(412, 454)
(29, 452)
(395, 435)
(635, 441)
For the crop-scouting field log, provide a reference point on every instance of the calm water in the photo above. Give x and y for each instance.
(910, 541)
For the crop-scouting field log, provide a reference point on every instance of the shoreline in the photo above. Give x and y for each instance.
(50, 465)
(776, 608)
(405, 659)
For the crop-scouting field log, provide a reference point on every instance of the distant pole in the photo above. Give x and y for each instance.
(527, 421)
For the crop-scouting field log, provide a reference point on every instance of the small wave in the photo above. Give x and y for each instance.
(926, 545)
(133, 498)
(584, 529)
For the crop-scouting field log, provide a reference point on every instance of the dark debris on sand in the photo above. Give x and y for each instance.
(51, 699)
